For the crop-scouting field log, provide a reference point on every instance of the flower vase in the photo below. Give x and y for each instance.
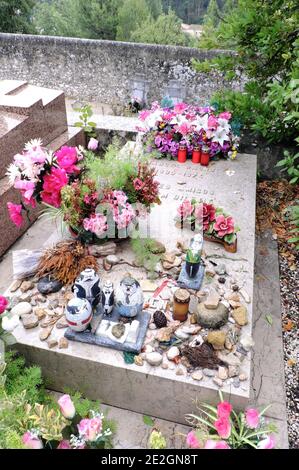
(229, 247)
(182, 154)
(192, 268)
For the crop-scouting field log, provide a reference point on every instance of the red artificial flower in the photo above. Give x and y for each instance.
(53, 183)
(15, 213)
(224, 225)
(3, 304)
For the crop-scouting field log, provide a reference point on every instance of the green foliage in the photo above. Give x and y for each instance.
(84, 120)
(16, 16)
(131, 15)
(144, 249)
(294, 219)
(266, 52)
(192, 257)
(114, 168)
(157, 440)
(288, 164)
(155, 7)
(148, 421)
(83, 405)
(166, 29)
(11, 439)
(20, 378)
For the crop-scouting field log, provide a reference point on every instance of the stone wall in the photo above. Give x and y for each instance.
(107, 71)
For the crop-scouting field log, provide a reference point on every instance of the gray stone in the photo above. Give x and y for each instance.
(29, 320)
(48, 286)
(218, 381)
(233, 371)
(118, 330)
(221, 269)
(112, 259)
(212, 318)
(197, 375)
(26, 285)
(209, 372)
(173, 352)
(230, 359)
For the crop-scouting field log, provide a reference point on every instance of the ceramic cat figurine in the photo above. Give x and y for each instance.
(88, 286)
(129, 297)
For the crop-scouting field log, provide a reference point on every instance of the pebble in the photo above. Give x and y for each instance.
(233, 371)
(148, 349)
(212, 301)
(112, 259)
(197, 375)
(218, 381)
(40, 313)
(26, 297)
(164, 365)
(181, 334)
(29, 320)
(52, 343)
(231, 320)
(62, 323)
(240, 315)
(63, 343)
(236, 383)
(235, 287)
(47, 286)
(152, 326)
(216, 339)
(243, 377)
(230, 359)
(209, 372)
(222, 280)
(53, 303)
(172, 353)
(154, 358)
(247, 342)
(221, 269)
(15, 285)
(171, 366)
(138, 360)
(45, 333)
(222, 373)
(26, 285)
(21, 308)
(212, 318)
(245, 296)
(180, 371)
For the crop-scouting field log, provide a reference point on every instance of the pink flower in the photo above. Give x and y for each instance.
(138, 184)
(224, 225)
(143, 115)
(89, 429)
(67, 407)
(93, 144)
(31, 441)
(252, 418)
(180, 108)
(224, 409)
(185, 209)
(67, 157)
(223, 427)
(53, 183)
(27, 189)
(211, 444)
(15, 213)
(226, 115)
(3, 304)
(64, 445)
(212, 122)
(97, 224)
(192, 441)
(267, 443)
(205, 214)
(123, 217)
(37, 155)
(184, 129)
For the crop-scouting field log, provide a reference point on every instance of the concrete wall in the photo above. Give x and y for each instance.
(107, 71)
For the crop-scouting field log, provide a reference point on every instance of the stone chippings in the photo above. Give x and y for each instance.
(289, 281)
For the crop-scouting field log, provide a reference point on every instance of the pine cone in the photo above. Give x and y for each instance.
(160, 319)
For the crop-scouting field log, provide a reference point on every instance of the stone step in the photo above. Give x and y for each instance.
(28, 112)
(9, 233)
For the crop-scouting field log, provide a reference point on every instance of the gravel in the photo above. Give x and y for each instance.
(289, 282)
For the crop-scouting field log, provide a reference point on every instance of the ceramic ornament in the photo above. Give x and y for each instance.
(107, 298)
(78, 314)
(88, 286)
(129, 298)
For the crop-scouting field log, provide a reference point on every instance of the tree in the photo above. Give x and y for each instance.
(155, 7)
(212, 18)
(165, 30)
(130, 16)
(16, 16)
(264, 36)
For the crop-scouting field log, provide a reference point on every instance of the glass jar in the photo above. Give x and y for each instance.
(181, 301)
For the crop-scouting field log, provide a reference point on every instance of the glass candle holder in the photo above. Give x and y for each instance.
(196, 155)
(181, 301)
(182, 153)
(205, 156)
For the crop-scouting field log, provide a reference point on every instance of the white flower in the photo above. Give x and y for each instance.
(33, 144)
(32, 171)
(50, 157)
(13, 173)
(201, 122)
(224, 124)
(220, 135)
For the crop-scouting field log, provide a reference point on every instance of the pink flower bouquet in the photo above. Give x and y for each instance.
(222, 428)
(166, 128)
(213, 221)
(96, 198)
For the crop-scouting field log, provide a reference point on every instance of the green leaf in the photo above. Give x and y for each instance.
(92, 124)
(269, 319)
(148, 421)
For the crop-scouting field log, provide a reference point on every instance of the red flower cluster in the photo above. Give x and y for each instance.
(145, 185)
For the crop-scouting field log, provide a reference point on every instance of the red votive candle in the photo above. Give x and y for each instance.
(205, 156)
(182, 154)
(196, 155)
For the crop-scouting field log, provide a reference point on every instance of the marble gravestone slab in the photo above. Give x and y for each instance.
(100, 372)
(90, 338)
